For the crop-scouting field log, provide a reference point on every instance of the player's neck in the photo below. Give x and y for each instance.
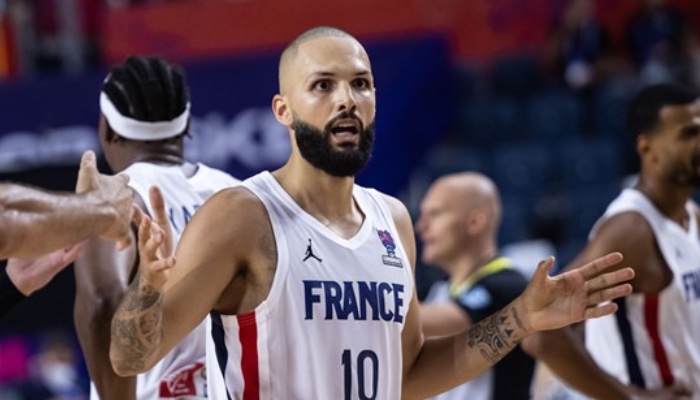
(327, 198)
(668, 197)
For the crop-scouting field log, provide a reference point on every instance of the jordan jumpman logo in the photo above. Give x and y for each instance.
(310, 253)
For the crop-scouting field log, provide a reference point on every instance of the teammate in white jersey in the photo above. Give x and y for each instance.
(309, 278)
(652, 342)
(144, 119)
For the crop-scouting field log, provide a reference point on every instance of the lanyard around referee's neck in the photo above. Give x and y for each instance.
(496, 265)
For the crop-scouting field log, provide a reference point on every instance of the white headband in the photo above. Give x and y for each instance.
(140, 130)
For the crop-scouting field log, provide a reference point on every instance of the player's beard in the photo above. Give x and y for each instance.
(684, 176)
(695, 173)
(316, 148)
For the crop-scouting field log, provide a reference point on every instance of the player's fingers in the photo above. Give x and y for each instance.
(155, 241)
(600, 310)
(543, 267)
(124, 178)
(88, 176)
(71, 253)
(160, 216)
(608, 294)
(125, 240)
(163, 264)
(611, 278)
(595, 267)
(144, 233)
(119, 181)
(137, 215)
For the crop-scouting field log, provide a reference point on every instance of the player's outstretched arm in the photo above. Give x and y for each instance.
(172, 295)
(547, 303)
(34, 222)
(140, 312)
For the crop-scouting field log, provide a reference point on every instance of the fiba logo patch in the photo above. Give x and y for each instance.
(390, 246)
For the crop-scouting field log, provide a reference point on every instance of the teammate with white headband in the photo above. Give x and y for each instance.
(134, 129)
(145, 112)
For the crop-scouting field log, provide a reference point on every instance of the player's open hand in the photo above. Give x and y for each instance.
(31, 274)
(155, 245)
(110, 190)
(582, 293)
(160, 218)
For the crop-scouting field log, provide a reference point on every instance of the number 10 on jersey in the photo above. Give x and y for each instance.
(365, 359)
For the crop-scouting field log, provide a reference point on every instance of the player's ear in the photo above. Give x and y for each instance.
(643, 144)
(478, 219)
(282, 112)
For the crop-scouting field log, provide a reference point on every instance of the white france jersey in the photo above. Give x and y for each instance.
(181, 373)
(331, 325)
(654, 339)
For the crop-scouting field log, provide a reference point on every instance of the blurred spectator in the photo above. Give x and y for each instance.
(53, 35)
(54, 371)
(46, 366)
(578, 47)
(660, 39)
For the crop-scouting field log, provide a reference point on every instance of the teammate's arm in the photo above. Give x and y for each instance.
(171, 297)
(102, 275)
(564, 350)
(34, 222)
(436, 365)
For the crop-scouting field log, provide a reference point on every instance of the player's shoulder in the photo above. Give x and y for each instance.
(217, 173)
(630, 234)
(628, 226)
(396, 207)
(236, 204)
(235, 197)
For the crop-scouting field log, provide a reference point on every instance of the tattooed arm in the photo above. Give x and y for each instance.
(436, 365)
(172, 295)
(138, 327)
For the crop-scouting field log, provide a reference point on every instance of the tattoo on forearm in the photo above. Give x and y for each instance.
(496, 335)
(136, 327)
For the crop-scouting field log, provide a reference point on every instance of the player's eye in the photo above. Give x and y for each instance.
(361, 83)
(323, 85)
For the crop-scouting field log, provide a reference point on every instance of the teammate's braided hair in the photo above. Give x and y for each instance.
(147, 88)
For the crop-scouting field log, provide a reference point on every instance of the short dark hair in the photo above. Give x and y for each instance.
(147, 88)
(320, 31)
(643, 111)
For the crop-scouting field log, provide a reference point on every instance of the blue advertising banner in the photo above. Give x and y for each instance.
(49, 122)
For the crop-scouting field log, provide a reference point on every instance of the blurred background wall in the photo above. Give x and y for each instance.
(530, 92)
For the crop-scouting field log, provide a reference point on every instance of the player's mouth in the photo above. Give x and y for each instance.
(346, 130)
